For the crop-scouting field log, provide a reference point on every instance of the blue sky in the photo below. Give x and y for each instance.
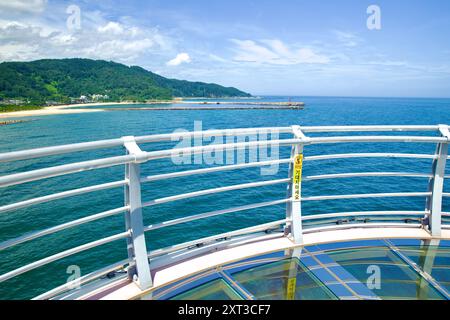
(263, 47)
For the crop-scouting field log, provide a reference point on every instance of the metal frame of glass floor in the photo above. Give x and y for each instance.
(370, 269)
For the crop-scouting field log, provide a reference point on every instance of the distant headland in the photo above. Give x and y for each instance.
(50, 82)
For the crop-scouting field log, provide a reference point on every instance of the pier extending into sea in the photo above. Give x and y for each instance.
(220, 105)
(247, 103)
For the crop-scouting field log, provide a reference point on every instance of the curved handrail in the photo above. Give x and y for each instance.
(39, 174)
(430, 217)
(61, 195)
(213, 214)
(57, 150)
(111, 143)
(210, 133)
(186, 173)
(367, 195)
(62, 254)
(361, 139)
(39, 234)
(213, 191)
(369, 155)
(82, 280)
(321, 129)
(366, 174)
(364, 225)
(202, 241)
(363, 214)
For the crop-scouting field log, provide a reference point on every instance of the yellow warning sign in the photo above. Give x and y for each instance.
(297, 177)
(292, 283)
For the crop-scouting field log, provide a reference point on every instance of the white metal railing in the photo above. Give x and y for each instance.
(138, 254)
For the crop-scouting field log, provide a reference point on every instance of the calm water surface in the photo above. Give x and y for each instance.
(62, 129)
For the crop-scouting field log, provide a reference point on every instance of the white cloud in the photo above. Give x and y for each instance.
(116, 28)
(275, 52)
(18, 32)
(63, 39)
(119, 50)
(98, 39)
(111, 27)
(278, 47)
(216, 58)
(348, 39)
(179, 59)
(14, 52)
(25, 6)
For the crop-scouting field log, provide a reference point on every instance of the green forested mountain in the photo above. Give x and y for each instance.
(40, 81)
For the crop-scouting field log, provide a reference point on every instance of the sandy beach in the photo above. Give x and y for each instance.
(205, 105)
(67, 109)
(44, 112)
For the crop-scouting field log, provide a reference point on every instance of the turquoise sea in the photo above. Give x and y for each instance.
(63, 129)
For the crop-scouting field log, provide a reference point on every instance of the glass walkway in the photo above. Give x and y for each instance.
(375, 269)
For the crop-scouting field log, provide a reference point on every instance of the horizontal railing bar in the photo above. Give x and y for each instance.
(368, 128)
(34, 175)
(62, 195)
(366, 174)
(372, 219)
(210, 133)
(82, 280)
(62, 255)
(56, 150)
(357, 139)
(161, 154)
(38, 234)
(446, 194)
(211, 170)
(213, 191)
(101, 144)
(363, 225)
(213, 213)
(363, 213)
(446, 214)
(244, 231)
(107, 162)
(50, 172)
(370, 155)
(368, 195)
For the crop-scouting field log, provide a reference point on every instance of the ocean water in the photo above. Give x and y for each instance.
(62, 129)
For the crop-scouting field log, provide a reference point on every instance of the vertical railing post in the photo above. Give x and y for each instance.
(139, 269)
(436, 185)
(294, 189)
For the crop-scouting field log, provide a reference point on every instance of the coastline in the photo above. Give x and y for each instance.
(207, 105)
(67, 109)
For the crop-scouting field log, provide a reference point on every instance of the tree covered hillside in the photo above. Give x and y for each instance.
(63, 80)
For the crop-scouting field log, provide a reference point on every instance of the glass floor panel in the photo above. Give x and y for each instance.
(433, 260)
(214, 290)
(397, 280)
(375, 269)
(284, 280)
